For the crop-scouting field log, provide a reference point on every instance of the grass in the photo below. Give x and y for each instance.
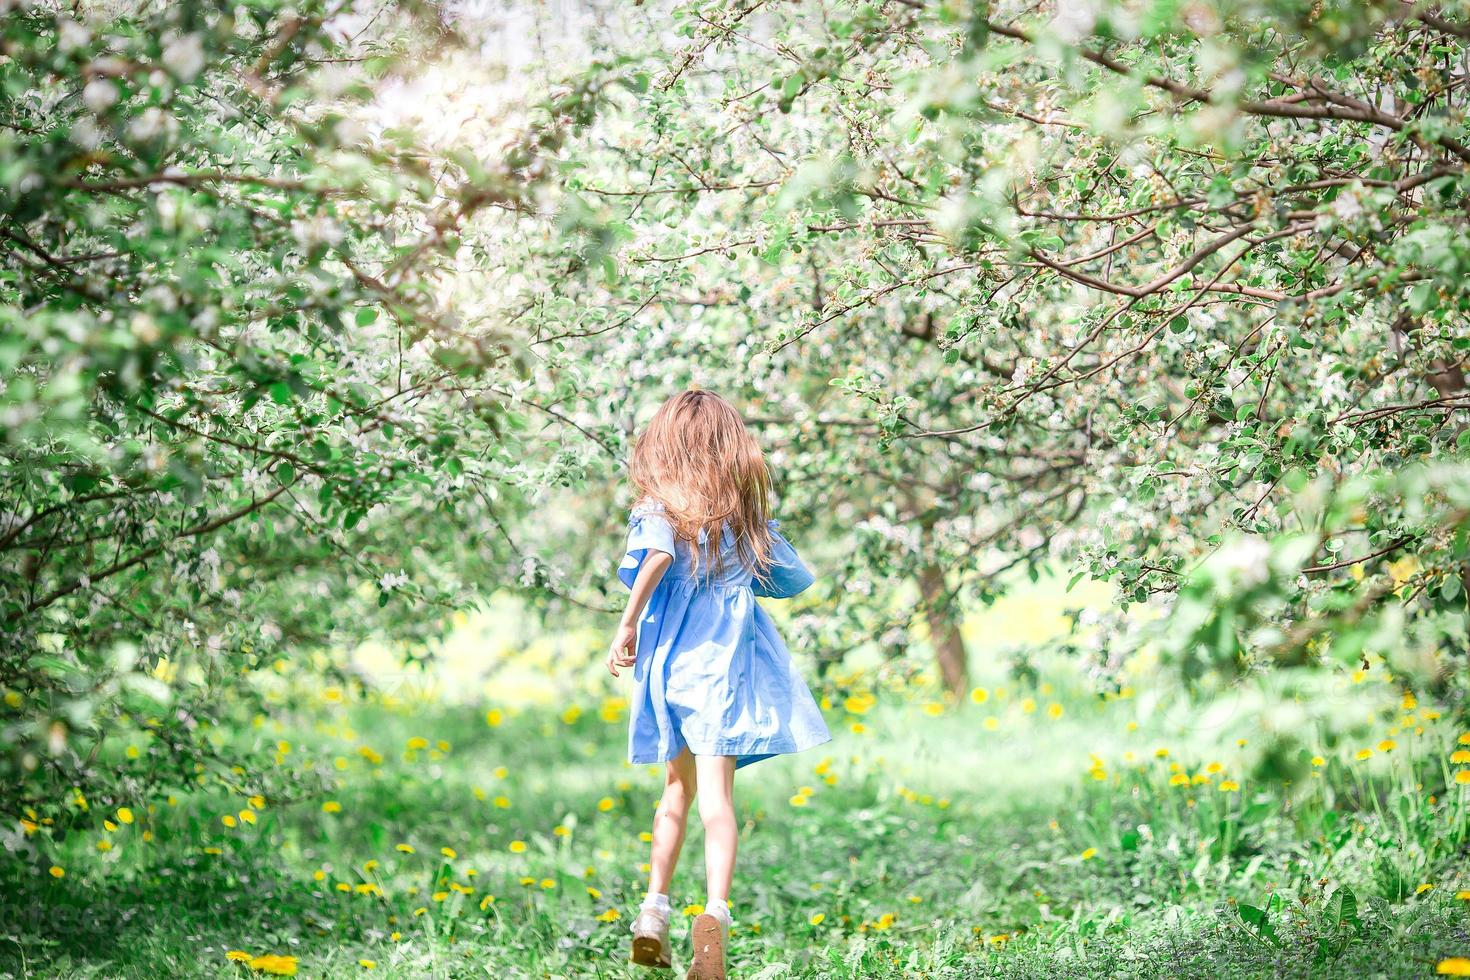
(1039, 832)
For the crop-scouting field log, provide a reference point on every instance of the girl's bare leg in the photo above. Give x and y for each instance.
(716, 780)
(670, 820)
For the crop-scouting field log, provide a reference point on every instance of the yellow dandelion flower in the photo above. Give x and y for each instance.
(798, 800)
(885, 921)
(57, 871)
(1028, 705)
(367, 964)
(594, 892)
(1161, 753)
(1427, 886)
(1317, 760)
(439, 896)
(343, 887)
(1463, 777)
(692, 910)
(610, 915)
(820, 917)
(238, 956)
(395, 936)
(645, 837)
(417, 743)
(124, 815)
(561, 830)
(331, 806)
(1464, 739)
(448, 852)
(104, 845)
(486, 902)
(1229, 786)
(1132, 726)
(1387, 745)
(517, 847)
(501, 803)
(404, 848)
(1460, 756)
(1455, 966)
(858, 728)
(570, 716)
(420, 910)
(1463, 896)
(109, 826)
(979, 695)
(1089, 854)
(247, 816)
(280, 966)
(547, 884)
(370, 865)
(934, 709)
(1179, 779)
(1054, 711)
(213, 850)
(319, 875)
(605, 804)
(1363, 754)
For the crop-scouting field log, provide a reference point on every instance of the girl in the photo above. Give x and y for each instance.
(715, 687)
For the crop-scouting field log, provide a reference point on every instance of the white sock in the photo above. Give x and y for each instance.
(658, 904)
(719, 908)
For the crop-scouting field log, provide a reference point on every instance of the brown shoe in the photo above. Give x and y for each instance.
(708, 939)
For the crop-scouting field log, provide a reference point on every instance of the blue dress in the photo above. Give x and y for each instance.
(712, 673)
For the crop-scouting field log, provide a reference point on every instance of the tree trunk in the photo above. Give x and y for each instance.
(944, 630)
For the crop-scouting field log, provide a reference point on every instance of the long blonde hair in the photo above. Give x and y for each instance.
(698, 460)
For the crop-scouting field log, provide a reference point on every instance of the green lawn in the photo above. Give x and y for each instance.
(1003, 838)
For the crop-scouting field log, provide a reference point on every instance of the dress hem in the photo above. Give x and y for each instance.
(749, 751)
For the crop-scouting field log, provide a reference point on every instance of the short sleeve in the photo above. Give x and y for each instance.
(787, 576)
(648, 530)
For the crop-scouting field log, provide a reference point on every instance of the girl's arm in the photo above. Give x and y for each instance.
(623, 651)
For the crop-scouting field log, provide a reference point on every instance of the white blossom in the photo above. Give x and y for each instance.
(153, 123)
(184, 56)
(70, 35)
(99, 95)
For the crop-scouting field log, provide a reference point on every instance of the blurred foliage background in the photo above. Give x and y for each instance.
(1110, 358)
